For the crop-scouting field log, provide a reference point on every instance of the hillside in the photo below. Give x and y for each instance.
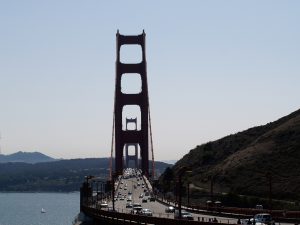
(63, 175)
(247, 162)
(26, 157)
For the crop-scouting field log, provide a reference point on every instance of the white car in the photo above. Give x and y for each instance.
(170, 209)
(146, 212)
(184, 215)
(260, 219)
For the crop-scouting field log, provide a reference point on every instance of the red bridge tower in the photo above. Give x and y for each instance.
(124, 136)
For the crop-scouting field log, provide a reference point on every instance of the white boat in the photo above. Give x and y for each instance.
(43, 210)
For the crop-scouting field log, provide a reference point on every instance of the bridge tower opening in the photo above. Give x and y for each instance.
(131, 157)
(123, 138)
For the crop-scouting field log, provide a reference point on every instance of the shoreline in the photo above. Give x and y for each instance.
(39, 192)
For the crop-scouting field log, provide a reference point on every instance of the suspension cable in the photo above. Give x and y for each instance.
(112, 148)
(112, 136)
(151, 140)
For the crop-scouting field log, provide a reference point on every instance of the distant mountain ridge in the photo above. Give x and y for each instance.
(56, 176)
(26, 157)
(170, 161)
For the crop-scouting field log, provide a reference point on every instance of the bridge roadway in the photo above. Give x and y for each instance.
(132, 185)
(134, 188)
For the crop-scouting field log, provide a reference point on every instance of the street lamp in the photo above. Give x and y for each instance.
(188, 193)
(113, 190)
(181, 172)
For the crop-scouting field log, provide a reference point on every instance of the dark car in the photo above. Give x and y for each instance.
(152, 199)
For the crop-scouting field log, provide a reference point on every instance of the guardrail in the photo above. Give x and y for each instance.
(124, 218)
(235, 212)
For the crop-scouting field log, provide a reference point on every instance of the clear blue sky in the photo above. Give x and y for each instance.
(214, 68)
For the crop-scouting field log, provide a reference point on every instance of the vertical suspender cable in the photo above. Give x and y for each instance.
(112, 137)
(112, 149)
(153, 164)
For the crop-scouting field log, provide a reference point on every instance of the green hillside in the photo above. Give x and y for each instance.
(247, 163)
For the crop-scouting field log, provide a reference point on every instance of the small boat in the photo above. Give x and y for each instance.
(43, 210)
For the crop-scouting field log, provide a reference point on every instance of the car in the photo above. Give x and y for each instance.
(259, 207)
(146, 212)
(110, 209)
(103, 205)
(141, 196)
(170, 209)
(264, 218)
(136, 208)
(184, 215)
(136, 204)
(144, 200)
(151, 199)
(259, 219)
(129, 205)
(122, 198)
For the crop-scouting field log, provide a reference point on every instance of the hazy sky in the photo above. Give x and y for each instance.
(214, 68)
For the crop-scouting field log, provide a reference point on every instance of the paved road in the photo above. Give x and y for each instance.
(135, 186)
(132, 186)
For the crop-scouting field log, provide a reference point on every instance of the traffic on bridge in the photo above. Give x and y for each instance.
(127, 196)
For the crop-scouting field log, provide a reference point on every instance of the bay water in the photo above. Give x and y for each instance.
(25, 208)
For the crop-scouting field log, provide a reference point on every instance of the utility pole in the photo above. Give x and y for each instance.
(113, 191)
(211, 188)
(188, 193)
(180, 174)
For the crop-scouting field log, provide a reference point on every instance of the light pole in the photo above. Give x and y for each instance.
(113, 191)
(181, 172)
(269, 176)
(188, 193)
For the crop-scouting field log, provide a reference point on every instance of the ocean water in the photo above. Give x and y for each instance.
(25, 208)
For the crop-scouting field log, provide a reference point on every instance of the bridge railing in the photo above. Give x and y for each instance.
(125, 218)
(235, 212)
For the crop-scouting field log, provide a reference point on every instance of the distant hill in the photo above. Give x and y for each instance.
(247, 162)
(26, 157)
(170, 161)
(63, 175)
